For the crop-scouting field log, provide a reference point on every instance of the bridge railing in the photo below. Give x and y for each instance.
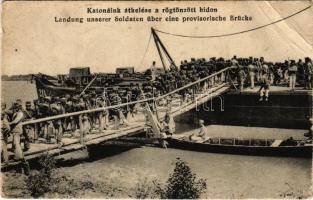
(202, 85)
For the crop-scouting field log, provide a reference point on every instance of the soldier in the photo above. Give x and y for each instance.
(5, 132)
(308, 73)
(91, 103)
(292, 72)
(57, 109)
(75, 107)
(44, 111)
(169, 123)
(148, 94)
(69, 107)
(63, 120)
(265, 86)
(241, 77)
(116, 100)
(130, 107)
(17, 129)
(202, 135)
(251, 70)
(103, 115)
(278, 74)
(29, 130)
(83, 104)
(234, 70)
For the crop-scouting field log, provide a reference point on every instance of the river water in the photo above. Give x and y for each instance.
(227, 176)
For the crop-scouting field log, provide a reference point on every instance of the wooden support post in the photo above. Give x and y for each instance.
(101, 124)
(82, 129)
(36, 130)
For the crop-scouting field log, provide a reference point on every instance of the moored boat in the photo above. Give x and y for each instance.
(255, 147)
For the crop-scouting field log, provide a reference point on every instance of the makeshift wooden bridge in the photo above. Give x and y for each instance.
(215, 85)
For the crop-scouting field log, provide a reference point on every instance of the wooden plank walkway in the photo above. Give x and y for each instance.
(74, 143)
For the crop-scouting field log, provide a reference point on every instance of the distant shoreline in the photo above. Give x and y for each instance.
(16, 78)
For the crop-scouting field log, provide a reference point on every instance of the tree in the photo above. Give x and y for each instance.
(182, 184)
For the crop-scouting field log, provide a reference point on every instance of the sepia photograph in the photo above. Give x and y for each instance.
(156, 99)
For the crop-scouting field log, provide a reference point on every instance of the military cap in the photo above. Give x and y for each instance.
(17, 105)
(19, 101)
(63, 99)
(3, 105)
(234, 61)
(47, 98)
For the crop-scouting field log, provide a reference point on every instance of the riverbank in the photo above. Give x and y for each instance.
(227, 176)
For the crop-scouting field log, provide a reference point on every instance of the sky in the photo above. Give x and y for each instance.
(33, 42)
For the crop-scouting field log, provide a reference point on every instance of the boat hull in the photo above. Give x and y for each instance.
(281, 151)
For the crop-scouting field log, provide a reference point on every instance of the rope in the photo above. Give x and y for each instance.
(236, 33)
(146, 50)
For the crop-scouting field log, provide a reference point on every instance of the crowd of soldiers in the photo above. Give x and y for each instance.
(247, 71)
(244, 71)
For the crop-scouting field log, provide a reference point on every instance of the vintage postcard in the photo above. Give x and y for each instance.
(156, 99)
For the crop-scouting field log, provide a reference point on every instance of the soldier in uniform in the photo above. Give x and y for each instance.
(57, 109)
(75, 119)
(81, 105)
(17, 129)
(241, 77)
(5, 132)
(308, 73)
(265, 86)
(91, 103)
(292, 72)
(116, 100)
(69, 107)
(169, 123)
(202, 135)
(29, 130)
(44, 111)
(251, 70)
(130, 107)
(148, 94)
(103, 115)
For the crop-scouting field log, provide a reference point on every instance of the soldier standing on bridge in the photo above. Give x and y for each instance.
(241, 77)
(103, 115)
(116, 112)
(5, 132)
(17, 129)
(57, 109)
(29, 115)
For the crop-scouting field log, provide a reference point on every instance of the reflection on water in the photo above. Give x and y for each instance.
(228, 176)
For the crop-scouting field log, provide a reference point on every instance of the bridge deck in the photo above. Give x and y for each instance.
(72, 141)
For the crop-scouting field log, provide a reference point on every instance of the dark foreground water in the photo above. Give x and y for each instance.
(227, 176)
